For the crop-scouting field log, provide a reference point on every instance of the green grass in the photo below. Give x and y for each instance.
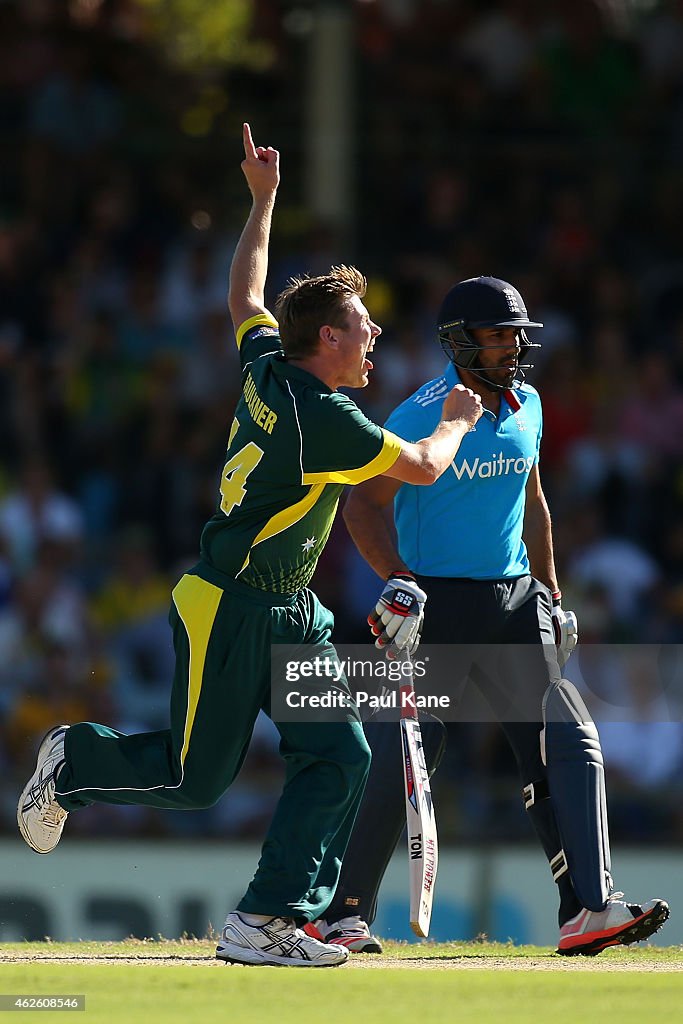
(177, 992)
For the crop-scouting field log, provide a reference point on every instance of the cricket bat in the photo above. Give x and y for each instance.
(423, 846)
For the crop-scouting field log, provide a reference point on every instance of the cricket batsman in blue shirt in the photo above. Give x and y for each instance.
(479, 544)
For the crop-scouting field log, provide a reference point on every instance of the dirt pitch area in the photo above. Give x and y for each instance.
(613, 960)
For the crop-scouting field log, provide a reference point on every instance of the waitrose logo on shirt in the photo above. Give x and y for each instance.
(497, 465)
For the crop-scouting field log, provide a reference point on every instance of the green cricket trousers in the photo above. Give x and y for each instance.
(222, 632)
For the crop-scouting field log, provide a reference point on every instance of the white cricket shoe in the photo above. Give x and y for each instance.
(619, 924)
(351, 932)
(277, 942)
(39, 816)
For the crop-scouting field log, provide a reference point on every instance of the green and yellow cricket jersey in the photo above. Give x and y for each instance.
(293, 445)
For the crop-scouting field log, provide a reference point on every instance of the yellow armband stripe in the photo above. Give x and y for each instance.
(253, 321)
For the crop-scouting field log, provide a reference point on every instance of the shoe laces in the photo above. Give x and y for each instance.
(42, 796)
(614, 896)
(53, 814)
(281, 923)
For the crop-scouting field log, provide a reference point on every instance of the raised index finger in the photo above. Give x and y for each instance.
(249, 148)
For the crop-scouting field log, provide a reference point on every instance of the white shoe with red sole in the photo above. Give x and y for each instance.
(350, 932)
(619, 924)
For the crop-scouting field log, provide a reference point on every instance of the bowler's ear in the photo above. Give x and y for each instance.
(328, 337)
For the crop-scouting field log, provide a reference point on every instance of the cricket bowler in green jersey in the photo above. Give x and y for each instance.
(295, 443)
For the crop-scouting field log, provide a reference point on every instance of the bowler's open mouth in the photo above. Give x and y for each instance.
(367, 363)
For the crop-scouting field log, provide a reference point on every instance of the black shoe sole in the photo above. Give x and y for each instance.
(369, 947)
(642, 928)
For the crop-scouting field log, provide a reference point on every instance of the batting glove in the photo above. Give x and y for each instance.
(566, 630)
(397, 618)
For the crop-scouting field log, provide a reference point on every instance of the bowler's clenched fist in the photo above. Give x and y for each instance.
(462, 404)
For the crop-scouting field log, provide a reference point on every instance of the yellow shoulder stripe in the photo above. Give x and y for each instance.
(260, 318)
(391, 449)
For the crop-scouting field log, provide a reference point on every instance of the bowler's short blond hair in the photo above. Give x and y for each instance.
(309, 303)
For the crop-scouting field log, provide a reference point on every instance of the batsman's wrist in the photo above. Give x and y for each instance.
(400, 574)
(556, 597)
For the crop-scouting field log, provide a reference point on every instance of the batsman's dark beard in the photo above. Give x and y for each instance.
(492, 386)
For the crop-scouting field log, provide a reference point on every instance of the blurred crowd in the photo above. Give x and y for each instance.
(537, 141)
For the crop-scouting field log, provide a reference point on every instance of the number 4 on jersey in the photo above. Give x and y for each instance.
(235, 473)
